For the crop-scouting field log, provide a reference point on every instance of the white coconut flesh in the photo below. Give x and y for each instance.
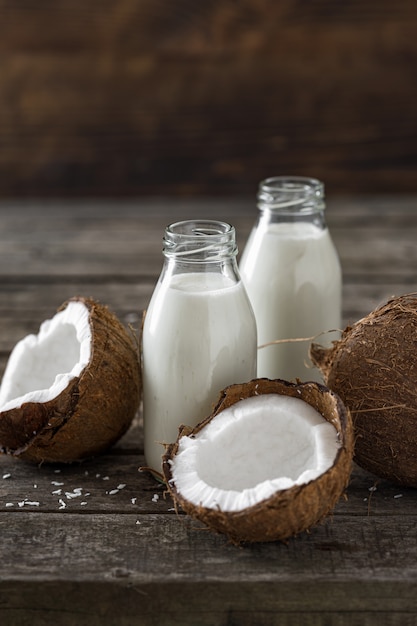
(251, 450)
(41, 366)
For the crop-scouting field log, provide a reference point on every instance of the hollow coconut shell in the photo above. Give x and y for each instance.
(289, 511)
(94, 410)
(373, 368)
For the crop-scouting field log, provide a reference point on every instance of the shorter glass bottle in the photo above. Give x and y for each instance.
(292, 275)
(199, 332)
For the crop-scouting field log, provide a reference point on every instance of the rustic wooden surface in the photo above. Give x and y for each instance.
(126, 97)
(118, 553)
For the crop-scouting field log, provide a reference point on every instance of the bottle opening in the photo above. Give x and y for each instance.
(200, 240)
(291, 194)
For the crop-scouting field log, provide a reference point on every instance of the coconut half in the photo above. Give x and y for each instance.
(271, 461)
(72, 390)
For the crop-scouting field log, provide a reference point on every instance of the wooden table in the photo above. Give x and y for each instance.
(119, 554)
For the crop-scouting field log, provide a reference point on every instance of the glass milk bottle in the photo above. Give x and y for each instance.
(199, 333)
(292, 274)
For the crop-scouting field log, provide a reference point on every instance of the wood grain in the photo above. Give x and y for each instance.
(111, 250)
(100, 543)
(110, 98)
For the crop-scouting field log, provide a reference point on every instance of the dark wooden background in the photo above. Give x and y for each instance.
(189, 97)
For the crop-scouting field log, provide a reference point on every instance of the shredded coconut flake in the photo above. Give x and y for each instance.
(76, 493)
(27, 502)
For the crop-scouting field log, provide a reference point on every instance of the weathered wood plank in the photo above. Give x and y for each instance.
(97, 547)
(125, 557)
(99, 101)
(49, 254)
(386, 208)
(23, 307)
(113, 483)
(390, 252)
(35, 280)
(130, 245)
(326, 573)
(49, 215)
(225, 603)
(31, 301)
(359, 300)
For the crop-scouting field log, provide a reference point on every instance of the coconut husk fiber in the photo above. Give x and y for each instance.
(373, 368)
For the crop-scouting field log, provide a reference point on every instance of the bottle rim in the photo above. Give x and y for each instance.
(200, 240)
(291, 194)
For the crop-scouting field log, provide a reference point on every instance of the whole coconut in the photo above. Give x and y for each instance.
(71, 391)
(373, 368)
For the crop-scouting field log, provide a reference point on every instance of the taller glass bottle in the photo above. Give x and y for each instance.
(292, 274)
(199, 332)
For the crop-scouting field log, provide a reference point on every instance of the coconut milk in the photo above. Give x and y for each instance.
(292, 275)
(199, 336)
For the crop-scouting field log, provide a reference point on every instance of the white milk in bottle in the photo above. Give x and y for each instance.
(292, 275)
(199, 333)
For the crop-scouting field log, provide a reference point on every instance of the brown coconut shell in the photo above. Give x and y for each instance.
(95, 409)
(373, 368)
(290, 511)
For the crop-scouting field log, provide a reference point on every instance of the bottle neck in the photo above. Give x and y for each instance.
(200, 241)
(292, 198)
(200, 246)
